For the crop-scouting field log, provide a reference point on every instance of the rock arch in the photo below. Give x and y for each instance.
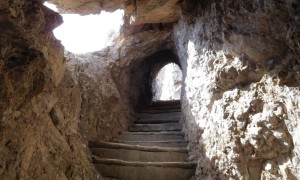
(142, 74)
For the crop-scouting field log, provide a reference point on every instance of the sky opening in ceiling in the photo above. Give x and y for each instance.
(82, 34)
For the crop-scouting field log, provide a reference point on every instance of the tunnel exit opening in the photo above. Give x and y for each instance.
(89, 33)
(166, 84)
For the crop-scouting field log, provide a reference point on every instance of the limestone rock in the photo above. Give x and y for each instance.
(102, 112)
(139, 12)
(83, 7)
(241, 88)
(39, 134)
(155, 11)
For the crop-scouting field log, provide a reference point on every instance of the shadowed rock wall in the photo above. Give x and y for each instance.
(39, 107)
(240, 61)
(140, 59)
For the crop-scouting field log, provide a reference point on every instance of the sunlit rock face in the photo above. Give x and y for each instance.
(155, 11)
(240, 63)
(167, 83)
(139, 12)
(85, 7)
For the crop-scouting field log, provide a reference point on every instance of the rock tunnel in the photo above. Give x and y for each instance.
(238, 116)
(142, 75)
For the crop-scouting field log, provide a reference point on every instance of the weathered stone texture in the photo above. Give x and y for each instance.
(103, 115)
(38, 115)
(138, 11)
(241, 88)
(137, 56)
(154, 11)
(83, 7)
(240, 99)
(108, 82)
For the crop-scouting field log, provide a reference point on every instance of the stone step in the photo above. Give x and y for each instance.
(113, 145)
(155, 127)
(151, 136)
(153, 149)
(164, 107)
(155, 111)
(172, 115)
(145, 170)
(165, 103)
(155, 121)
(138, 153)
(173, 144)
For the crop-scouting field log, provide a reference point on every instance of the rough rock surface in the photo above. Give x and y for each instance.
(240, 95)
(139, 58)
(85, 7)
(138, 11)
(240, 63)
(103, 114)
(38, 114)
(107, 83)
(154, 11)
(49, 112)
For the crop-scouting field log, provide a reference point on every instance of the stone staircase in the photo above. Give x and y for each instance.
(153, 148)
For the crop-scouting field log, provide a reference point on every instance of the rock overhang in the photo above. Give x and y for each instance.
(138, 11)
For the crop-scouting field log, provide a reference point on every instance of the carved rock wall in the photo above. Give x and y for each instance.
(240, 64)
(102, 112)
(139, 57)
(39, 107)
(111, 82)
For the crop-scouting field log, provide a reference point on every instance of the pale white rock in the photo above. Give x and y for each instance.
(240, 84)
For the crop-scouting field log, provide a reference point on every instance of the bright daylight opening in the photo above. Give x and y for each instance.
(167, 83)
(82, 34)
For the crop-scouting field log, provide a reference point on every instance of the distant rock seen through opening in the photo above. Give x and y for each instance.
(167, 83)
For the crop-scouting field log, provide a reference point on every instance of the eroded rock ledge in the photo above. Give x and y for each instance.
(138, 11)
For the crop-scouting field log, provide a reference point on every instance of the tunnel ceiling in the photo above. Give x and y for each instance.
(139, 12)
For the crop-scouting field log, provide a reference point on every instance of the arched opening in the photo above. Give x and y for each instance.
(142, 74)
(166, 84)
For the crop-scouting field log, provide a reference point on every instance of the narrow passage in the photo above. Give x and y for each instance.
(153, 148)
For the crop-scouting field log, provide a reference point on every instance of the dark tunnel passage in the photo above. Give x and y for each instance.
(142, 75)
